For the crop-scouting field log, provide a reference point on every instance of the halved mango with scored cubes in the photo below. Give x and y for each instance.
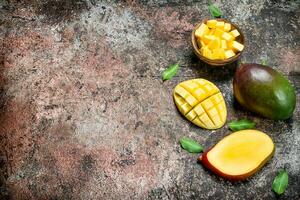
(201, 102)
(217, 40)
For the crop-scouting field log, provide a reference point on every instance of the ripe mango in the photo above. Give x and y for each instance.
(201, 102)
(264, 91)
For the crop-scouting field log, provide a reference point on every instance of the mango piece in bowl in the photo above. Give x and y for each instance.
(201, 102)
(217, 40)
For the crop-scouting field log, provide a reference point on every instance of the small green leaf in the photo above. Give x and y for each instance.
(214, 10)
(190, 145)
(242, 124)
(170, 72)
(264, 62)
(280, 182)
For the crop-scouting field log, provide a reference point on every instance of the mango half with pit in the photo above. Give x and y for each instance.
(201, 102)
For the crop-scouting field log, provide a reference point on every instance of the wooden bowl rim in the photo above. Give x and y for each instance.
(217, 62)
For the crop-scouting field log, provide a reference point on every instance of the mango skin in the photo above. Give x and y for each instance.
(264, 91)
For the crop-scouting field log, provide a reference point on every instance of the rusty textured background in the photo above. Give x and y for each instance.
(84, 113)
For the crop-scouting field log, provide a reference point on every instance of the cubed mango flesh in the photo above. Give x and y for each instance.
(200, 43)
(235, 33)
(214, 44)
(201, 31)
(220, 25)
(223, 44)
(211, 23)
(227, 36)
(207, 39)
(214, 54)
(227, 27)
(217, 40)
(211, 31)
(229, 54)
(206, 52)
(218, 32)
(229, 44)
(218, 53)
(201, 102)
(237, 46)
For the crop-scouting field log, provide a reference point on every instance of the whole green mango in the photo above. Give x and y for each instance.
(264, 91)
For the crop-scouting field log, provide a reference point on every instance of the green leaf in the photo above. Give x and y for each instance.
(280, 182)
(264, 62)
(242, 124)
(190, 145)
(214, 10)
(170, 72)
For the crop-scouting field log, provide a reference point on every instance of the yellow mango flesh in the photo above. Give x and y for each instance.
(220, 25)
(237, 46)
(218, 53)
(223, 44)
(206, 52)
(229, 54)
(214, 44)
(242, 152)
(218, 35)
(212, 23)
(207, 39)
(201, 31)
(218, 32)
(235, 33)
(227, 27)
(201, 102)
(227, 36)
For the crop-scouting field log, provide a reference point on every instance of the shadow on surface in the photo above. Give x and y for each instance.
(213, 73)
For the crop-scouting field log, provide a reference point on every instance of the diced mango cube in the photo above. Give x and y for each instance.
(227, 27)
(200, 43)
(223, 44)
(202, 49)
(211, 31)
(229, 44)
(234, 33)
(208, 38)
(218, 32)
(201, 31)
(229, 54)
(237, 46)
(214, 55)
(221, 53)
(218, 53)
(214, 44)
(211, 23)
(207, 53)
(227, 36)
(220, 25)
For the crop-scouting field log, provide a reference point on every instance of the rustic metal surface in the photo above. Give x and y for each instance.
(85, 115)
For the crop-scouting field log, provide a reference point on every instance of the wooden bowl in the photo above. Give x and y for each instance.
(219, 62)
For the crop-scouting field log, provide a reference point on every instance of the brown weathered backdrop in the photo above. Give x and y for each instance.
(84, 113)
